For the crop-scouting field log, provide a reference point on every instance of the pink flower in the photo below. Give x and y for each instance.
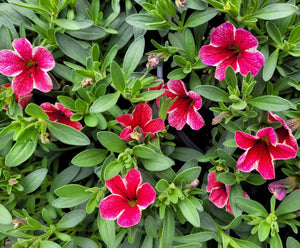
(261, 151)
(219, 192)
(279, 187)
(235, 47)
(129, 197)
(141, 117)
(28, 66)
(59, 113)
(21, 100)
(284, 133)
(184, 109)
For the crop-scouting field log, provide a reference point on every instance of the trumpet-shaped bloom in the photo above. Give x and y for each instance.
(279, 187)
(28, 66)
(129, 197)
(184, 109)
(141, 118)
(261, 151)
(21, 100)
(59, 113)
(284, 133)
(235, 47)
(219, 192)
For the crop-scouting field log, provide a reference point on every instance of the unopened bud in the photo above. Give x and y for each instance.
(180, 3)
(219, 118)
(87, 82)
(18, 221)
(293, 124)
(12, 181)
(192, 185)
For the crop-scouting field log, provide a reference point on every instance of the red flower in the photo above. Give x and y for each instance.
(129, 197)
(261, 151)
(235, 47)
(184, 109)
(284, 133)
(28, 66)
(59, 113)
(21, 100)
(219, 192)
(141, 117)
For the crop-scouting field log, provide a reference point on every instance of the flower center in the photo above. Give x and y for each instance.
(236, 49)
(132, 203)
(30, 63)
(265, 140)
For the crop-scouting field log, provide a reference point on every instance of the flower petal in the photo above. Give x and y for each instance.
(116, 186)
(177, 87)
(265, 166)
(112, 206)
(219, 197)
(154, 126)
(23, 47)
(126, 120)
(212, 182)
(146, 195)
(132, 180)
(197, 100)
(245, 40)
(221, 68)
(269, 133)
(63, 109)
(178, 117)
(250, 62)
(281, 151)
(141, 115)
(42, 80)
(43, 58)
(24, 100)
(244, 140)
(223, 35)
(130, 217)
(10, 63)
(22, 84)
(194, 119)
(211, 55)
(125, 134)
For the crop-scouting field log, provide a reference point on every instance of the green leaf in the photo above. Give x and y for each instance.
(5, 217)
(188, 175)
(149, 95)
(251, 207)
(105, 102)
(117, 76)
(270, 65)
(275, 241)
(200, 17)
(49, 244)
(112, 169)
(144, 21)
(289, 204)
(33, 180)
(35, 111)
(292, 243)
(263, 230)
(84, 242)
(67, 134)
(212, 93)
(185, 154)
(275, 11)
(256, 179)
(198, 237)
(227, 178)
(270, 103)
(90, 33)
(189, 211)
(168, 229)
(245, 243)
(68, 102)
(295, 35)
(71, 48)
(63, 202)
(230, 77)
(73, 24)
(189, 44)
(20, 152)
(71, 219)
(111, 141)
(64, 177)
(274, 33)
(133, 56)
(72, 191)
(89, 157)
(107, 231)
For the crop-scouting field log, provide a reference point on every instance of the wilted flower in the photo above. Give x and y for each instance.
(232, 47)
(261, 151)
(153, 60)
(219, 192)
(28, 66)
(180, 3)
(87, 82)
(59, 113)
(279, 187)
(129, 197)
(139, 123)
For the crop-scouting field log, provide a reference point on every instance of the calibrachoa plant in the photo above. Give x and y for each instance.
(150, 123)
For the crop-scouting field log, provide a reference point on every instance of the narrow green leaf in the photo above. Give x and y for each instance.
(67, 134)
(270, 103)
(168, 229)
(289, 204)
(117, 76)
(35, 111)
(212, 93)
(275, 11)
(112, 169)
(90, 33)
(33, 180)
(270, 65)
(274, 33)
(84, 242)
(133, 56)
(89, 157)
(104, 103)
(49, 244)
(200, 17)
(188, 175)
(71, 219)
(189, 211)
(107, 231)
(73, 24)
(295, 35)
(230, 77)
(63, 202)
(251, 207)
(198, 237)
(72, 191)
(189, 44)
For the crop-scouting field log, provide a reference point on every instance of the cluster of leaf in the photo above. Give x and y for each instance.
(51, 186)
